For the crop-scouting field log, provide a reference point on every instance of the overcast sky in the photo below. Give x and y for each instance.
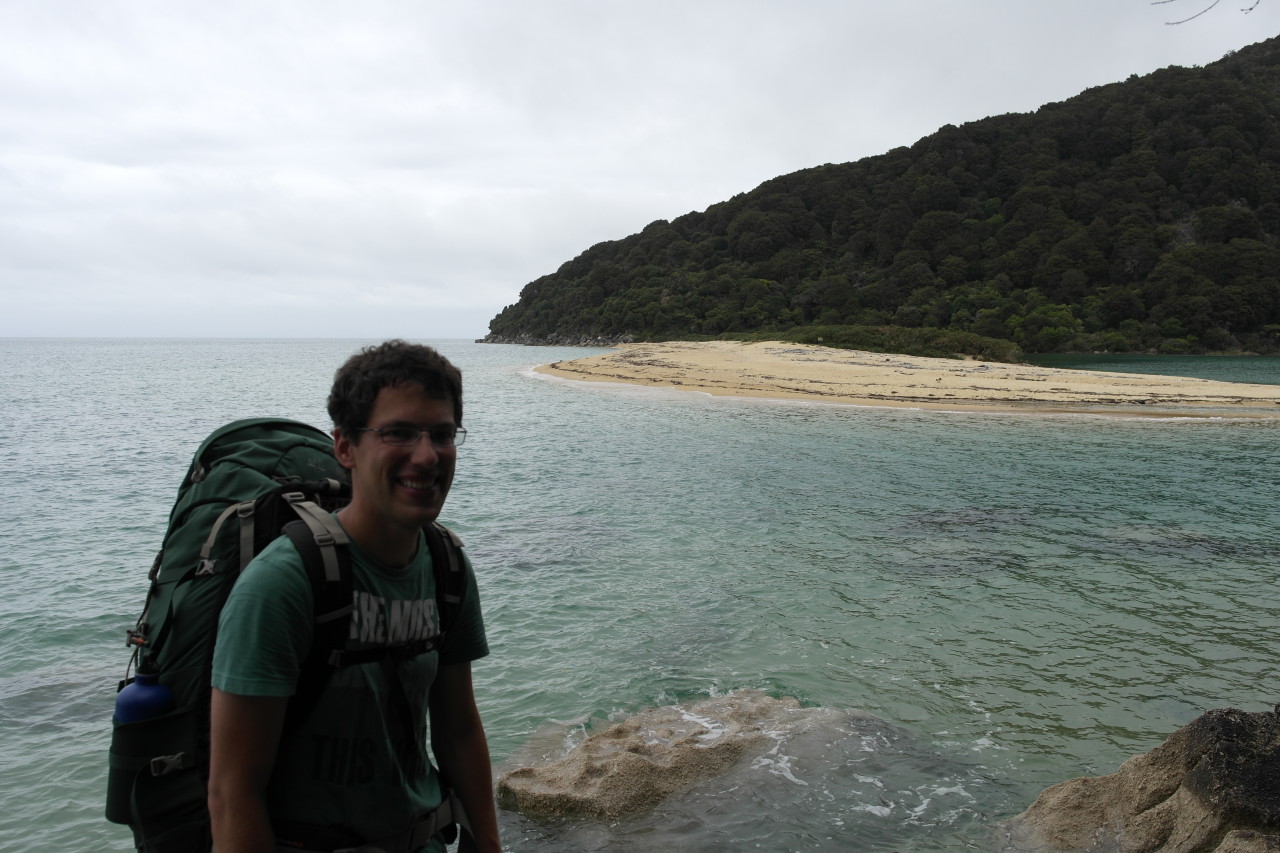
(369, 169)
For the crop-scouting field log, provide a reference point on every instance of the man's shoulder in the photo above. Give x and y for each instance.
(277, 565)
(266, 625)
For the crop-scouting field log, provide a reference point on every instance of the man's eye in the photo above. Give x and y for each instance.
(400, 435)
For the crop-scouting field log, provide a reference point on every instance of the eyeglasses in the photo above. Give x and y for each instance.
(441, 437)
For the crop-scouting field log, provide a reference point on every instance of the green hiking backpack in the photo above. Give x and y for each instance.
(249, 481)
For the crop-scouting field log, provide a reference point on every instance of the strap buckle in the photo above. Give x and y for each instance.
(163, 765)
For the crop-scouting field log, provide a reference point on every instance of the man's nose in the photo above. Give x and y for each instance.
(425, 451)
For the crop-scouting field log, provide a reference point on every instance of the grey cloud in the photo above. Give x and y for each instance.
(405, 168)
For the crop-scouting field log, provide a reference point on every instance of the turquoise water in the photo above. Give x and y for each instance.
(1017, 599)
(1226, 368)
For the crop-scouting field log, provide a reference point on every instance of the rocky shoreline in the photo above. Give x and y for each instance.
(1212, 787)
(557, 340)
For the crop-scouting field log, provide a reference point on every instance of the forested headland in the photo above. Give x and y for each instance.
(1141, 216)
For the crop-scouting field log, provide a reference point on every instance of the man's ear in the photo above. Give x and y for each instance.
(342, 449)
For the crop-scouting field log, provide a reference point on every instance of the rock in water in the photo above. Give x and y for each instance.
(633, 765)
(1212, 787)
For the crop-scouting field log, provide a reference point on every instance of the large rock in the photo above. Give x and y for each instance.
(633, 765)
(1212, 787)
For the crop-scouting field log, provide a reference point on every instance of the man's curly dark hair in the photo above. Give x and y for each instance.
(358, 381)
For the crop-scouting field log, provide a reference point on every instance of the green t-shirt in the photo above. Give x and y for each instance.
(353, 763)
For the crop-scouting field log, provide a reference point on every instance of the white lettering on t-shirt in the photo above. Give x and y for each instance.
(381, 622)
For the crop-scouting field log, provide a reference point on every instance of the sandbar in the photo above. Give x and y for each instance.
(779, 370)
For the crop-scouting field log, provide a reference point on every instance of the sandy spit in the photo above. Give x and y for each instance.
(798, 371)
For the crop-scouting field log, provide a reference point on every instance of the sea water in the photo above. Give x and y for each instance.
(1012, 600)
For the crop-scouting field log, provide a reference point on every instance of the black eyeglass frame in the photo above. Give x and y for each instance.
(456, 436)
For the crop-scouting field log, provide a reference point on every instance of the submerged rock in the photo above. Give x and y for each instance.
(633, 765)
(1212, 787)
(807, 778)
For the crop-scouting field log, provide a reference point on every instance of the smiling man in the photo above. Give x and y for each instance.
(353, 773)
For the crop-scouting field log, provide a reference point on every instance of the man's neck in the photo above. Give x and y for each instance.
(390, 545)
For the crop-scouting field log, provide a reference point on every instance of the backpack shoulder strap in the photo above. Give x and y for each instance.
(322, 544)
(451, 578)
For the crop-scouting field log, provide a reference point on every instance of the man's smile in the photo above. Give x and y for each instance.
(419, 484)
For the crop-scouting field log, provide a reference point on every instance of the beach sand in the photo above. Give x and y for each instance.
(798, 371)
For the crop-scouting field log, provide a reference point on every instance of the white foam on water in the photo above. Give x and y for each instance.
(915, 813)
(878, 811)
(714, 728)
(776, 762)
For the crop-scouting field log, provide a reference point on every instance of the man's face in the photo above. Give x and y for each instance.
(399, 488)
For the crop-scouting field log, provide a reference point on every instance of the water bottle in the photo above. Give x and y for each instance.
(143, 698)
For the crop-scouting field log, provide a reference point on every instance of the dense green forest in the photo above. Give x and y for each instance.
(1137, 216)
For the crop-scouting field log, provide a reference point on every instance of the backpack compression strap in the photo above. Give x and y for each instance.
(323, 528)
(244, 510)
